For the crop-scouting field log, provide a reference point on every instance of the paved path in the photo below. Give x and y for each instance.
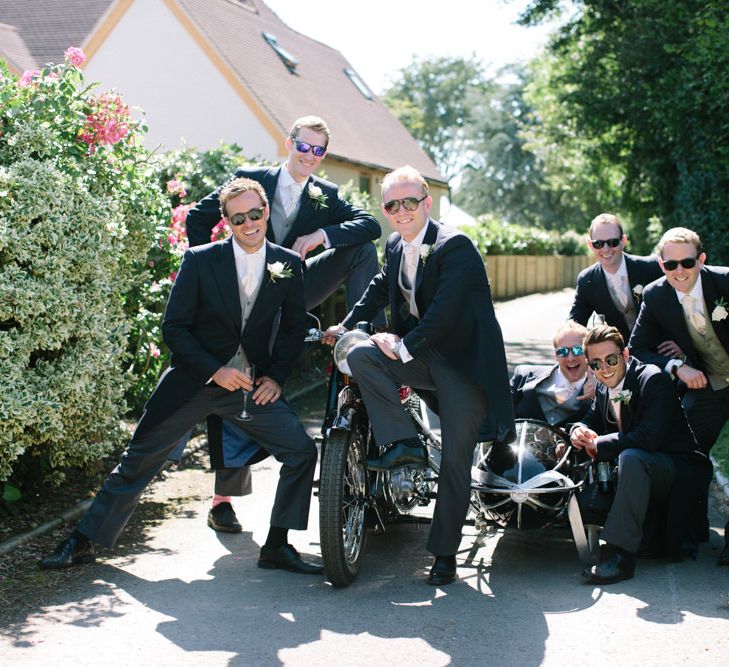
(188, 596)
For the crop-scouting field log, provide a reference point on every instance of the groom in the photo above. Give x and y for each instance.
(219, 317)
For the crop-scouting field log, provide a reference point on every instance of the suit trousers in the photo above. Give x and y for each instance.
(462, 407)
(274, 426)
(644, 478)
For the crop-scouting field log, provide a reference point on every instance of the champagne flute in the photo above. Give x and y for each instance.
(250, 371)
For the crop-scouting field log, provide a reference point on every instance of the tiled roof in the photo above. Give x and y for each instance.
(14, 49)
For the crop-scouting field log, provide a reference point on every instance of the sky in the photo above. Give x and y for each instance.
(380, 37)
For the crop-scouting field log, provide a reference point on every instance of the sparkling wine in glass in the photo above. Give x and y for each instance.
(250, 371)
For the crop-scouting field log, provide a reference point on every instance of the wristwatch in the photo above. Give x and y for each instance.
(677, 363)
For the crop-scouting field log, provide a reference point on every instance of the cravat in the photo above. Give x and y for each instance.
(294, 194)
(697, 319)
(410, 265)
(249, 280)
(624, 292)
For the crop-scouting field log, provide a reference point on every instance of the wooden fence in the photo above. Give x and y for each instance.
(518, 275)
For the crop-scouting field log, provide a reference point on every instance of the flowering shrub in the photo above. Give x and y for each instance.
(79, 208)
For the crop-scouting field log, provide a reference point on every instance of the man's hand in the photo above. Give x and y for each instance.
(694, 379)
(232, 379)
(588, 389)
(585, 438)
(330, 335)
(268, 391)
(386, 341)
(670, 349)
(305, 244)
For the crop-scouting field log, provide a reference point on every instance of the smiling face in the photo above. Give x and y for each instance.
(681, 279)
(407, 223)
(609, 258)
(572, 367)
(303, 165)
(610, 376)
(252, 233)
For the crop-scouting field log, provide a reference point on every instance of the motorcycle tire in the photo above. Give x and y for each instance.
(342, 507)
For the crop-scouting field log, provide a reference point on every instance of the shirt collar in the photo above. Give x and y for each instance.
(286, 180)
(616, 390)
(418, 240)
(560, 380)
(697, 291)
(622, 271)
(243, 258)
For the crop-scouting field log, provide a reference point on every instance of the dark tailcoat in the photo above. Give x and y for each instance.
(593, 294)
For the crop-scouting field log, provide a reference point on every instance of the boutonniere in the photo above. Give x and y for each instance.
(622, 396)
(720, 310)
(638, 292)
(317, 196)
(279, 270)
(425, 252)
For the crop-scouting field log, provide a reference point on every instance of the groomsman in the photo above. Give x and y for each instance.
(307, 214)
(690, 305)
(445, 339)
(220, 316)
(559, 394)
(636, 417)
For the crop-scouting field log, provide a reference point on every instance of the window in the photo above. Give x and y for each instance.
(361, 85)
(365, 183)
(282, 53)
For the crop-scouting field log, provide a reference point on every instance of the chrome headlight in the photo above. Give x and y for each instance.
(344, 345)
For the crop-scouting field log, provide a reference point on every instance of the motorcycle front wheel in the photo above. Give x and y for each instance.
(342, 507)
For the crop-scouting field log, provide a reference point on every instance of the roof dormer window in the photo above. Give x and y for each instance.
(282, 53)
(357, 81)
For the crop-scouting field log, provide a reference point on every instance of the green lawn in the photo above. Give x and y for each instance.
(720, 451)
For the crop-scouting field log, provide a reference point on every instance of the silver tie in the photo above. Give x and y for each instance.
(696, 317)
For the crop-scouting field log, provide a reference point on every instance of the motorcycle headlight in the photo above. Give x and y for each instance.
(344, 345)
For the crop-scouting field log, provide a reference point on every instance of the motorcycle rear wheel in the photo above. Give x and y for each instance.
(342, 507)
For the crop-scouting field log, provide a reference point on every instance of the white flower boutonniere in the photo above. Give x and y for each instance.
(425, 251)
(638, 292)
(623, 396)
(279, 270)
(720, 310)
(317, 196)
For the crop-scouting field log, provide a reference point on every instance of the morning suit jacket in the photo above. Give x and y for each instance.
(524, 383)
(344, 223)
(593, 294)
(457, 316)
(661, 317)
(202, 323)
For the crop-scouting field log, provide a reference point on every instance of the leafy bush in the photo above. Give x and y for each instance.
(79, 209)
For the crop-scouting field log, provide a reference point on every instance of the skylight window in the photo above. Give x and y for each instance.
(361, 85)
(282, 53)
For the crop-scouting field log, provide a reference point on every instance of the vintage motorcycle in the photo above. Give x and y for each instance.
(522, 484)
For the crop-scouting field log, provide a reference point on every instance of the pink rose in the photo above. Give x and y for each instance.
(174, 187)
(75, 56)
(154, 350)
(28, 77)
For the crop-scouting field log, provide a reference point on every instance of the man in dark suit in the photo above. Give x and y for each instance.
(635, 417)
(306, 214)
(612, 287)
(559, 394)
(445, 339)
(219, 318)
(690, 305)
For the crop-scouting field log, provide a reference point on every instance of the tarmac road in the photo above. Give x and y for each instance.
(193, 597)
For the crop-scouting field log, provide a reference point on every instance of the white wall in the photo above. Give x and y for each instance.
(152, 60)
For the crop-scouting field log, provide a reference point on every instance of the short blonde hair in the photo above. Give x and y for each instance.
(569, 326)
(237, 186)
(606, 219)
(680, 235)
(406, 174)
(313, 123)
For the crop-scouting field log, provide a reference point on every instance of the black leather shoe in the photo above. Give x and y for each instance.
(443, 571)
(724, 555)
(223, 519)
(286, 557)
(615, 565)
(72, 551)
(400, 453)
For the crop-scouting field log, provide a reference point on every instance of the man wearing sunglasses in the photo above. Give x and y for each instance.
(220, 316)
(558, 394)
(637, 419)
(306, 213)
(612, 287)
(689, 305)
(444, 339)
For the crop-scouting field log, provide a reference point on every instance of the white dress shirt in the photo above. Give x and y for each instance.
(291, 192)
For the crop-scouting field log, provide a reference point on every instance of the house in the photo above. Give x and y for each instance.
(207, 71)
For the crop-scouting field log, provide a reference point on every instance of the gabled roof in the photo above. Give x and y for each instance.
(363, 130)
(14, 49)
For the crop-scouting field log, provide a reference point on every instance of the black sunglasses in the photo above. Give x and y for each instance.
(611, 243)
(239, 218)
(565, 351)
(672, 264)
(408, 203)
(611, 360)
(303, 147)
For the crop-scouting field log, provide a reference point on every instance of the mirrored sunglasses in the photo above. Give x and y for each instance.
(672, 264)
(239, 218)
(611, 360)
(564, 351)
(408, 203)
(611, 243)
(303, 147)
